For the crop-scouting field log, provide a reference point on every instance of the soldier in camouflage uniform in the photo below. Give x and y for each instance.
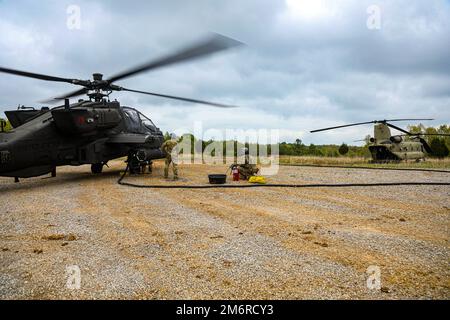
(167, 148)
(146, 165)
(247, 169)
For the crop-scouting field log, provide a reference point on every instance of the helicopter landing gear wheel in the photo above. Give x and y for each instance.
(96, 168)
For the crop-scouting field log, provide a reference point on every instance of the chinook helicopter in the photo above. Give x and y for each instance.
(385, 147)
(95, 130)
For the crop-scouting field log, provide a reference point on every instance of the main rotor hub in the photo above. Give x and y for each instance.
(97, 76)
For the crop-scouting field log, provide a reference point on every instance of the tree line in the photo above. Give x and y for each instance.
(296, 148)
(439, 145)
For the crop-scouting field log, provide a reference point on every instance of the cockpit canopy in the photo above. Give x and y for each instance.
(136, 122)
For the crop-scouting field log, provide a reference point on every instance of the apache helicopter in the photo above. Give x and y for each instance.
(91, 131)
(385, 147)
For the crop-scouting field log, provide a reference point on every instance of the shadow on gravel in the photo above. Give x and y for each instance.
(63, 179)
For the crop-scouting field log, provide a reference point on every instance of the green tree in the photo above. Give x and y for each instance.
(439, 148)
(420, 128)
(445, 129)
(166, 136)
(4, 125)
(343, 149)
(367, 139)
(298, 147)
(314, 150)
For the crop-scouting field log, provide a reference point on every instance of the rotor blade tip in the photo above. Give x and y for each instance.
(225, 41)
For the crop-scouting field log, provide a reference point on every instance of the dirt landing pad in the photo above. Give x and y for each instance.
(262, 243)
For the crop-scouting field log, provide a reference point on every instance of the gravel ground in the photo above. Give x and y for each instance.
(262, 243)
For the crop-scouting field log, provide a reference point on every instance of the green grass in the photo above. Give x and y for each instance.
(363, 162)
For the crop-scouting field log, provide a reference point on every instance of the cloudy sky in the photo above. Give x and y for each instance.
(305, 65)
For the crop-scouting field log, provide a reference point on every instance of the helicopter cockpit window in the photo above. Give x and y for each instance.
(147, 123)
(132, 120)
(136, 122)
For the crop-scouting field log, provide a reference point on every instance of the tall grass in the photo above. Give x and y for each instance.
(363, 162)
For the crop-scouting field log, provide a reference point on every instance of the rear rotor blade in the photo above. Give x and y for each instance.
(35, 75)
(426, 145)
(214, 44)
(214, 104)
(399, 129)
(431, 134)
(343, 126)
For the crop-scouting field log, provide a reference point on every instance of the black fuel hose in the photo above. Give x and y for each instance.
(278, 185)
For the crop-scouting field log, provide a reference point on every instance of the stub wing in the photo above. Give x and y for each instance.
(130, 138)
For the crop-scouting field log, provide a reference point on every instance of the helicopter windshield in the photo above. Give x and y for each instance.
(136, 122)
(147, 122)
(132, 120)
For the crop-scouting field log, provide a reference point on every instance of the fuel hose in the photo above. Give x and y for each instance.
(277, 185)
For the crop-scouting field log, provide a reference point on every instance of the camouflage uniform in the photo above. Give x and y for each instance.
(247, 169)
(167, 148)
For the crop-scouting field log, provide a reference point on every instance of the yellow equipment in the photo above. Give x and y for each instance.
(257, 179)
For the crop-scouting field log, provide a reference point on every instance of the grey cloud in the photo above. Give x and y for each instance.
(296, 73)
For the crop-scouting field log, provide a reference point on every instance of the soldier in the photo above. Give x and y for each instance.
(143, 166)
(147, 165)
(247, 169)
(167, 147)
(150, 166)
(134, 163)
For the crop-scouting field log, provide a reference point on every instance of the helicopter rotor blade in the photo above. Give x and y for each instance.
(343, 126)
(214, 104)
(426, 145)
(391, 120)
(368, 122)
(427, 134)
(214, 44)
(66, 96)
(209, 46)
(36, 75)
(399, 129)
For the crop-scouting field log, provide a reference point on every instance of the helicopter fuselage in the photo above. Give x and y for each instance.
(82, 133)
(385, 147)
(396, 151)
(95, 131)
